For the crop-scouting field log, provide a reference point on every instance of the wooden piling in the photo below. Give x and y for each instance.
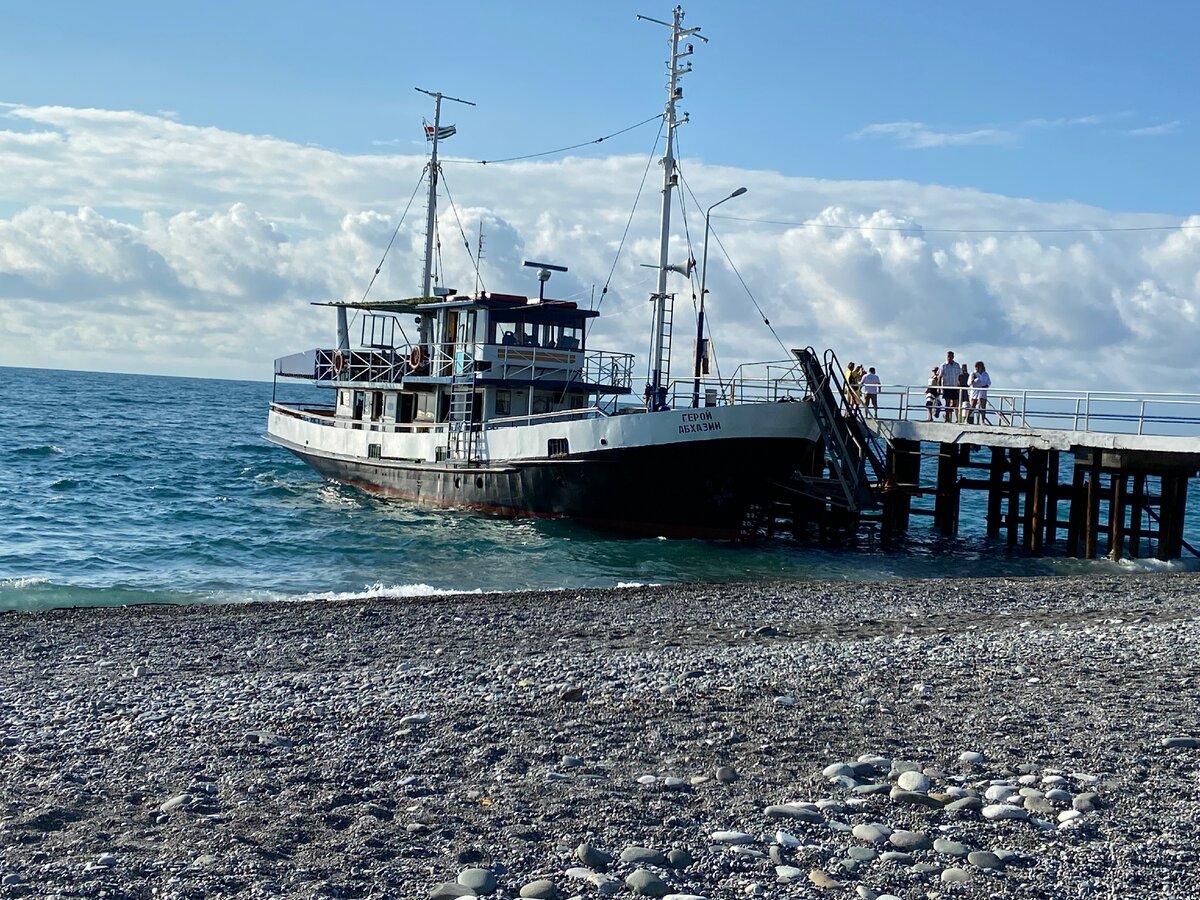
(945, 508)
(1116, 515)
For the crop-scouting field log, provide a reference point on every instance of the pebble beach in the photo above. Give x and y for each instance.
(965, 738)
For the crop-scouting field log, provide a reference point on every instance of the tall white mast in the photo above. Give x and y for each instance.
(658, 364)
(431, 211)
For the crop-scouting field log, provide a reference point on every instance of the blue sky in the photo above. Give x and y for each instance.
(180, 180)
(1093, 101)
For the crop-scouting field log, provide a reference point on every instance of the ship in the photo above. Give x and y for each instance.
(498, 403)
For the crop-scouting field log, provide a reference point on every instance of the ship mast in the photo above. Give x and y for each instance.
(659, 363)
(431, 211)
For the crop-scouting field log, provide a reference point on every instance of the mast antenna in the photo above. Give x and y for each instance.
(659, 360)
(434, 135)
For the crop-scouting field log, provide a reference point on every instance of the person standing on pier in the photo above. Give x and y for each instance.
(950, 391)
(871, 385)
(980, 382)
(933, 396)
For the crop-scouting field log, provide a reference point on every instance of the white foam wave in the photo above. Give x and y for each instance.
(19, 583)
(1159, 565)
(389, 592)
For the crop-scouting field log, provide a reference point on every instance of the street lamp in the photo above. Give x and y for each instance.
(703, 291)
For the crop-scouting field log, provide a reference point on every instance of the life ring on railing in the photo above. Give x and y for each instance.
(339, 362)
(416, 358)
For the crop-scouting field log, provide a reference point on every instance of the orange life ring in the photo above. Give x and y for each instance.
(339, 361)
(416, 358)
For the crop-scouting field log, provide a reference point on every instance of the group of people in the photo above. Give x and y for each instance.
(960, 393)
(862, 390)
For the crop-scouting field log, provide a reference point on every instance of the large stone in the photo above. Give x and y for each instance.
(914, 798)
(482, 881)
(913, 781)
(909, 840)
(822, 879)
(984, 859)
(788, 874)
(964, 804)
(999, 811)
(450, 890)
(1182, 742)
(955, 875)
(643, 856)
(733, 838)
(646, 884)
(679, 859)
(542, 889)
(592, 857)
(870, 832)
(950, 848)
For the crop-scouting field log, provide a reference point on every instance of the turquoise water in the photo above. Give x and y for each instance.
(122, 489)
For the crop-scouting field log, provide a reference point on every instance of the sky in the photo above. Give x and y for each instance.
(1016, 182)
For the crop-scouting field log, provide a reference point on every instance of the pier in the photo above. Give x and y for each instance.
(1082, 474)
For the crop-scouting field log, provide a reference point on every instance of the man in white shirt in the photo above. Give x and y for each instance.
(870, 385)
(950, 390)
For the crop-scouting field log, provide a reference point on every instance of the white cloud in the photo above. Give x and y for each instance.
(920, 136)
(1154, 130)
(142, 244)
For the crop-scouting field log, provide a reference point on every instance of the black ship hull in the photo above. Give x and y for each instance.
(707, 490)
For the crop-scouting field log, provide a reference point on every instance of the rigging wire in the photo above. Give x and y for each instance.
(462, 231)
(629, 221)
(387, 250)
(487, 162)
(750, 294)
(1107, 230)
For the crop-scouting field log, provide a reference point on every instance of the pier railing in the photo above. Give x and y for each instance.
(1111, 412)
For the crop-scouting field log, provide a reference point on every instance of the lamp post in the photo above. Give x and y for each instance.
(703, 291)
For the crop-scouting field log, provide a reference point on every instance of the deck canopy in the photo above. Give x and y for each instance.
(500, 307)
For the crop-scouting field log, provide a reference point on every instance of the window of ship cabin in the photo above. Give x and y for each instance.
(359, 401)
(407, 407)
(503, 403)
(376, 405)
(389, 407)
(569, 338)
(541, 403)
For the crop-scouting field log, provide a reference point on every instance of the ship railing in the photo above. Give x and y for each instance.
(386, 365)
(521, 362)
(325, 415)
(762, 382)
(563, 415)
(1109, 412)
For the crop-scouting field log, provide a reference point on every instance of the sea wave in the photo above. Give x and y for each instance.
(44, 451)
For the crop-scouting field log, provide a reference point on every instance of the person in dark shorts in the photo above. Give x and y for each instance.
(950, 392)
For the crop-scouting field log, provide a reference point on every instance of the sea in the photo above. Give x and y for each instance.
(136, 489)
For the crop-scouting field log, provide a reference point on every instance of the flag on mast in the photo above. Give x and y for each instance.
(442, 133)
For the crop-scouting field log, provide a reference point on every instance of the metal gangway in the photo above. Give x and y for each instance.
(855, 455)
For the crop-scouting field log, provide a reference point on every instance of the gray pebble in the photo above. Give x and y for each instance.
(542, 889)
(984, 859)
(950, 848)
(646, 884)
(592, 857)
(482, 881)
(643, 856)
